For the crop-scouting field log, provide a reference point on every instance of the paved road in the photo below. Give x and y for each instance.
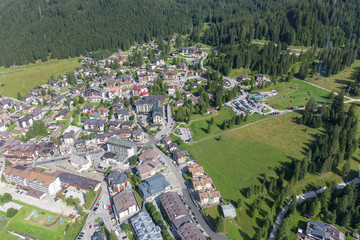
(176, 172)
(304, 196)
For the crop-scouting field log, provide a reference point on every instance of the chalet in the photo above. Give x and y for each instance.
(187, 94)
(15, 117)
(114, 125)
(194, 101)
(191, 51)
(146, 169)
(179, 103)
(138, 90)
(6, 103)
(166, 140)
(75, 90)
(151, 72)
(158, 62)
(88, 109)
(180, 156)
(118, 105)
(94, 94)
(36, 92)
(3, 127)
(104, 112)
(173, 147)
(157, 52)
(47, 149)
(19, 150)
(5, 135)
(127, 125)
(53, 83)
(37, 114)
(69, 138)
(170, 76)
(138, 135)
(63, 84)
(143, 78)
(62, 115)
(114, 91)
(28, 98)
(94, 125)
(122, 115)
(79, 69)
(25, 122)
(182, 66)
(211, 111)
(95, 115)
(174, 86)
(79, 82)
(127, 79)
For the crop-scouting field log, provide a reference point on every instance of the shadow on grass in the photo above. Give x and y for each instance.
(244, 235)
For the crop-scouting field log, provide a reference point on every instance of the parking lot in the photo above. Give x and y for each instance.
(185, 134)
(250, 104)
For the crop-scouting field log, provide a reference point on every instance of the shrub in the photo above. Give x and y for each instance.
(11, 212)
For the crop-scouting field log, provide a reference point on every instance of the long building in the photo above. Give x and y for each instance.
(121, 147)
(29, 177)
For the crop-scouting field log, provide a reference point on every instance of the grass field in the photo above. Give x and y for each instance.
(288, 96)
(25, 78)
(34, 227)
(244, 155)
(234, 73)
(337, 82)
(199, 126)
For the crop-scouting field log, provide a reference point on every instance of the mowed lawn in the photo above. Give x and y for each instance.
(337, 82)
(243, 155)
(295, 94)
(34, 227)
(25, 78)
(199, 126)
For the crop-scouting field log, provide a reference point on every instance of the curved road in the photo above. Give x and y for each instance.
(232, 81)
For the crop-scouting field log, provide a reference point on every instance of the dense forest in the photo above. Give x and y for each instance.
(38, 29)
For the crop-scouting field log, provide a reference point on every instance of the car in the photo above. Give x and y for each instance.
(124, 237)
(17, 191)
(55, 199)
(66, 191)
(90, 226)
(95, 208)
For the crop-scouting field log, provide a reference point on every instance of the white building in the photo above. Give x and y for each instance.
(125, 203)
(44, 181)
(81, 163)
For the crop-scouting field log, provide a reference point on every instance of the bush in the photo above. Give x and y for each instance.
(11, 212)
(186, 177)
(6, 198)
(126, 227)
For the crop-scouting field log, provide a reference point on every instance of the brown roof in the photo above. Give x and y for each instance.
(173, 205)
(209, 193)
(196, 169)
(123, 200)
(149, 155)
(32, 174)
(35, 193)
(146, 167)
(202, 181)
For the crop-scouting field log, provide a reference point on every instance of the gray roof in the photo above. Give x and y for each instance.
(80, 181)
(145, 228)
(120, 142)
(153, 185)
(78, 159)
(228, 211)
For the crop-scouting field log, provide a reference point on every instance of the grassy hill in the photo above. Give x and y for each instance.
(25, 78)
